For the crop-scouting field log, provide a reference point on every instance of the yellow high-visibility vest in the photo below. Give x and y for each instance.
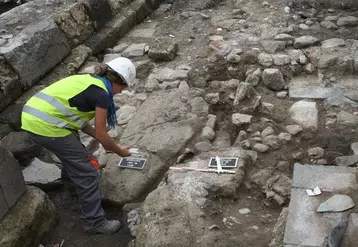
(48, 113)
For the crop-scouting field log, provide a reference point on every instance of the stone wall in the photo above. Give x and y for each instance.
(40, 36)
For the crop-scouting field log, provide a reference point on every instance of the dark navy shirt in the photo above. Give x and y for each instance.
(90, 98)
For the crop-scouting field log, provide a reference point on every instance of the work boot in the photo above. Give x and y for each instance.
(110, 227)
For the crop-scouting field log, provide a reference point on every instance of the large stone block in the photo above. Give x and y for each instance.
(327, 178)
(313, 92)
(69, 66)
(35, 51)
(28, 221)
(11, 179)
(99, 11)
(10, 87)
(306, 227)
(113, 31)
(75, 23)
(3, 205)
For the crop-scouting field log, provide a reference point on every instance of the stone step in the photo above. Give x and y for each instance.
(304, 226)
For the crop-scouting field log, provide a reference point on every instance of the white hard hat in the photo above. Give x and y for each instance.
(124, 68)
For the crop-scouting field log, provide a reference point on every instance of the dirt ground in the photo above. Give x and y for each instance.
(69, 227)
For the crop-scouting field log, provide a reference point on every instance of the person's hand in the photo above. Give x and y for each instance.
(125, 152)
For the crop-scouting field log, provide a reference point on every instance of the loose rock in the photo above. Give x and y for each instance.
(268, 131)
(284, 137)
(336, 203)
(244, 211)
(163, 50)
(305, 114)
(212, 98)
(203, 146)
(211, 121)
(42, 175)
(304, 42)
(273, 79)
(316, 152)
(273, 46)
(207, 134)
(281, 95)
(348, 21)
(265, 59)
(347, 160)
(272, 141)
(260, 148)
(333, 43)
(134, 50)
(133, 220)
(354, 147)
(294, 129)
(239, 119)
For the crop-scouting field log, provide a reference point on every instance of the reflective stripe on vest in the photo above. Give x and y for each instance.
(45, 117)
(59, 106)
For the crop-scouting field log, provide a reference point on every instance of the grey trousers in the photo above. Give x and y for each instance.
(79, 171)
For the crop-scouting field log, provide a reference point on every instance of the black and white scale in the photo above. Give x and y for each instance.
(226, 162)
(136, 161)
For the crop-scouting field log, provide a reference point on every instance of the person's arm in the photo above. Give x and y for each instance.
(89, 130)
(102, 136)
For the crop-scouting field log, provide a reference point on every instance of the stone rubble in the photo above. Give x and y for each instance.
(336, 203)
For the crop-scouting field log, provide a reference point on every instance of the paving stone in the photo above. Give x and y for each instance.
(327, 178)
(337, 203)
(313, 92)
(304, 226)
